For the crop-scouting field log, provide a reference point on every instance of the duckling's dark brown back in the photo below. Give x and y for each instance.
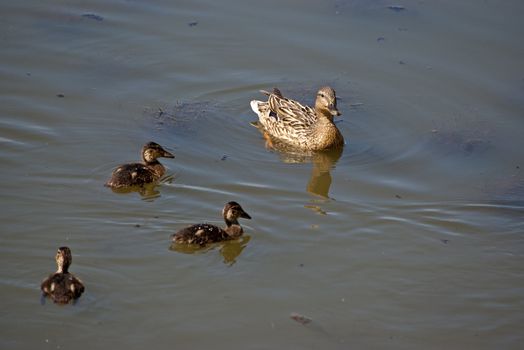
(206, 233)
(62, 287)
(200, 234)
(138, 174)
(134, 174)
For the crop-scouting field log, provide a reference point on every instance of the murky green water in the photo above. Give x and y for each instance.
(412, 238)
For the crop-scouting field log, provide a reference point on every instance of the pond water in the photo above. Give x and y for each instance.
(411, 238)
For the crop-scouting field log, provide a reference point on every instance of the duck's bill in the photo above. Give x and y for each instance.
(334, 112)
(245, 215)
(166, 154)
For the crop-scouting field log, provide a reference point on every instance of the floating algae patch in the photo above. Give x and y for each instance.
(465, 138)
(181, 114)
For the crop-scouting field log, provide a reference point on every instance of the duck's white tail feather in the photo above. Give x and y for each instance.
(259, 107)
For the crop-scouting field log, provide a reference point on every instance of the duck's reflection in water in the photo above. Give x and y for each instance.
(230, 250)
(148, 192)
(320, 180)
(322, 163)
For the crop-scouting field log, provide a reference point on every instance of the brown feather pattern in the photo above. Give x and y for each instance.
(299, 125)
(203, 234)
(138, 174)
(62, 286)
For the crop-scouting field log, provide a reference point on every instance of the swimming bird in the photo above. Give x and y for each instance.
(302, 127)
(202, 234)
(138, 174)
(62, 286)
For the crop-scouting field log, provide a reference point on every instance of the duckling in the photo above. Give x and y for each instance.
(300, 126)
(206, 233)
(62, 286)
(138, 174)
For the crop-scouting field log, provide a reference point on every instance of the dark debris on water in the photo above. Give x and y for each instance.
(396, 8)
(300, 318)
(93, 16)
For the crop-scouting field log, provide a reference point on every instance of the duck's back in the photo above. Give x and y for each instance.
(286, 119)
(289, 112)
(62, 287)
(292, 111)
(200, 234)
(132, 174)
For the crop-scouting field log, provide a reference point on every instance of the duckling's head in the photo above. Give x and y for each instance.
(63, 259)
(326, 101)
(152, 150)
(232, 211)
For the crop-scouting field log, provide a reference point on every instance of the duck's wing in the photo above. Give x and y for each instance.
(130, 175)
(46, 285)
(76, 286)
(291, 112)
(200, 234)
(284, 118)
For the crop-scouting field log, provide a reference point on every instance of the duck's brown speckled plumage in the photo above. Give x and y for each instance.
(300, 126)
(138, 174)
(202, 234)
(62, 286)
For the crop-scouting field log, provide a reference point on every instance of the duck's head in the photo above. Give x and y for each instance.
(232, 211)
(326, 101)
(63, 259)
(152, 150)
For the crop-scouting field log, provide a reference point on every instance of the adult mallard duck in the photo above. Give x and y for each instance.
(62, 286)
(300, 126)
(202, 234)
(138, 174)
